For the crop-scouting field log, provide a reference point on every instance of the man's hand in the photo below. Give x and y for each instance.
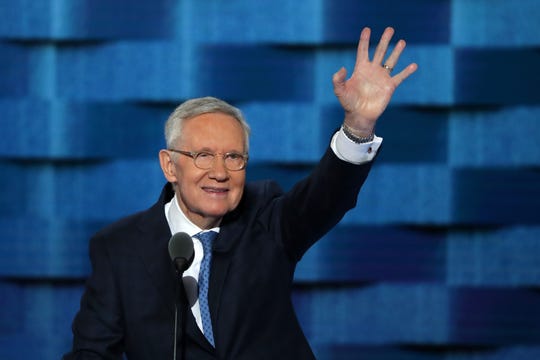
(365, 95)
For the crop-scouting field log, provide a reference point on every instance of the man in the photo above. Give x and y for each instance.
(247, 237)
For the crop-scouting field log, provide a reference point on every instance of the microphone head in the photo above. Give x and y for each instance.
(181, 251)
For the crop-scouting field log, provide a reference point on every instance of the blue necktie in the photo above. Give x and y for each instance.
(206, 239)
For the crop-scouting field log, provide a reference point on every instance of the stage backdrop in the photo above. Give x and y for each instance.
(441, 258)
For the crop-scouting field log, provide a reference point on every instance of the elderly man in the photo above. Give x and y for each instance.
(248, 238)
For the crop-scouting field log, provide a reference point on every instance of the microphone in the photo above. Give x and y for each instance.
(181, 251)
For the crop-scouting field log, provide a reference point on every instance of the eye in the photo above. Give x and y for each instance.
(234, 156)
(205, 155)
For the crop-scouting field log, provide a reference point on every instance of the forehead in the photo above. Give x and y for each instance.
(216, 131)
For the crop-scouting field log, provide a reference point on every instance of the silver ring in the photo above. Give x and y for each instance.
(387, 67)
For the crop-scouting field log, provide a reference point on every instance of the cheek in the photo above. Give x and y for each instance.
(238, 190)
(188, 183)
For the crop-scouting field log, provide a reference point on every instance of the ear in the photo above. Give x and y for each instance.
(167, 166)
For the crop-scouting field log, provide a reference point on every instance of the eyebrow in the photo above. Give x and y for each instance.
(207, 149)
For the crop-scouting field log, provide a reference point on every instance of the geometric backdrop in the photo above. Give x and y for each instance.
(441, 258)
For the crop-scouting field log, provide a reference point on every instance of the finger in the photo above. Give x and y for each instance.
(405, 73)
(392, 60)
(380, 51)
(362, 53)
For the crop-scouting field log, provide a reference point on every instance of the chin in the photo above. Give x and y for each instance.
(216, 213)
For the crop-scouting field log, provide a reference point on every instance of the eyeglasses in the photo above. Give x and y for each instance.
(204, 160)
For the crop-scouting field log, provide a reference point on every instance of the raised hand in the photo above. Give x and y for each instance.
(366, 94)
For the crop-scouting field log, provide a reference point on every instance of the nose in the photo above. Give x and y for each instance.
(218, 171)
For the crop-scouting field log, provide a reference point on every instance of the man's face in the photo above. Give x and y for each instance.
(205, 196)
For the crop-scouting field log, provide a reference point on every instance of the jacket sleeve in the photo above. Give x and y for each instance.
(318, 202)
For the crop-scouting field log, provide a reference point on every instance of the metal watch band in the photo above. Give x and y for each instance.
(356, 139)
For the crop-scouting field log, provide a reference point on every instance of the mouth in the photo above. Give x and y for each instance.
(215, 190)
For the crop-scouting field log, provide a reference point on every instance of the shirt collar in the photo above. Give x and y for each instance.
(178, 221)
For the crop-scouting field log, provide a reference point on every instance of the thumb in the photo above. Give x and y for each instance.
(339, 79)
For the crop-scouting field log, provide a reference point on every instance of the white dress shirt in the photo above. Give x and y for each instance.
(178, 222)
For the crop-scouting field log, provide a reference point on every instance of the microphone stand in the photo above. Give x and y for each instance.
(180, 302)
(181, 252)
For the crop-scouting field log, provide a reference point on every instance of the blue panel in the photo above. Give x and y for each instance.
(44, 315)
(285, 121)
(118, 19)
(411, 135)
(496, 196)
(252, 21)
(27, 346)
(495, 257)
(256, 73)
(45, 248)
(345, 18)
(13, 70)
(482, 137)
(106, 192)
(379, 314)
(11, 309)
(150, 71)
(77, 192)
(58, 130)
(29, 70)
(485, 76)
(495, 316)
(432, 85)
(25, 18)
(13, 185)
(87, 19)
(356, 254)
(488, 23)
(404, 194)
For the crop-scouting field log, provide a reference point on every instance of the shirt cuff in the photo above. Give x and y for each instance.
(347, 150)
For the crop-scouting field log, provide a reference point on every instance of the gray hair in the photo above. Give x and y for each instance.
(198, 106)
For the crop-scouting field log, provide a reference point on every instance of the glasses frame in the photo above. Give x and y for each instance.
(195, 154)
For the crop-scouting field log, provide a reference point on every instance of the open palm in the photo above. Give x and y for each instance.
(366, 94)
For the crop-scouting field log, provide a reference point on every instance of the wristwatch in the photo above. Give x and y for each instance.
(356, 139)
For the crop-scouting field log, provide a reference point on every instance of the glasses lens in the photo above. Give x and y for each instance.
(204, 160)
(234, 161)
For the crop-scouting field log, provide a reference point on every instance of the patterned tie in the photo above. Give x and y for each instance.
(206, 239)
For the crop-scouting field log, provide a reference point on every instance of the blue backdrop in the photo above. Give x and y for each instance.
(441, 258)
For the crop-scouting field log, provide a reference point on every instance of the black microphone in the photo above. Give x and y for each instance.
(181, 251)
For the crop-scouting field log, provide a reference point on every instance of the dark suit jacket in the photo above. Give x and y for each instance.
(128, 305)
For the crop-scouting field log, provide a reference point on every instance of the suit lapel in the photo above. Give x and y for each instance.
(152, 247)
(231, 230)
(218, 275)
